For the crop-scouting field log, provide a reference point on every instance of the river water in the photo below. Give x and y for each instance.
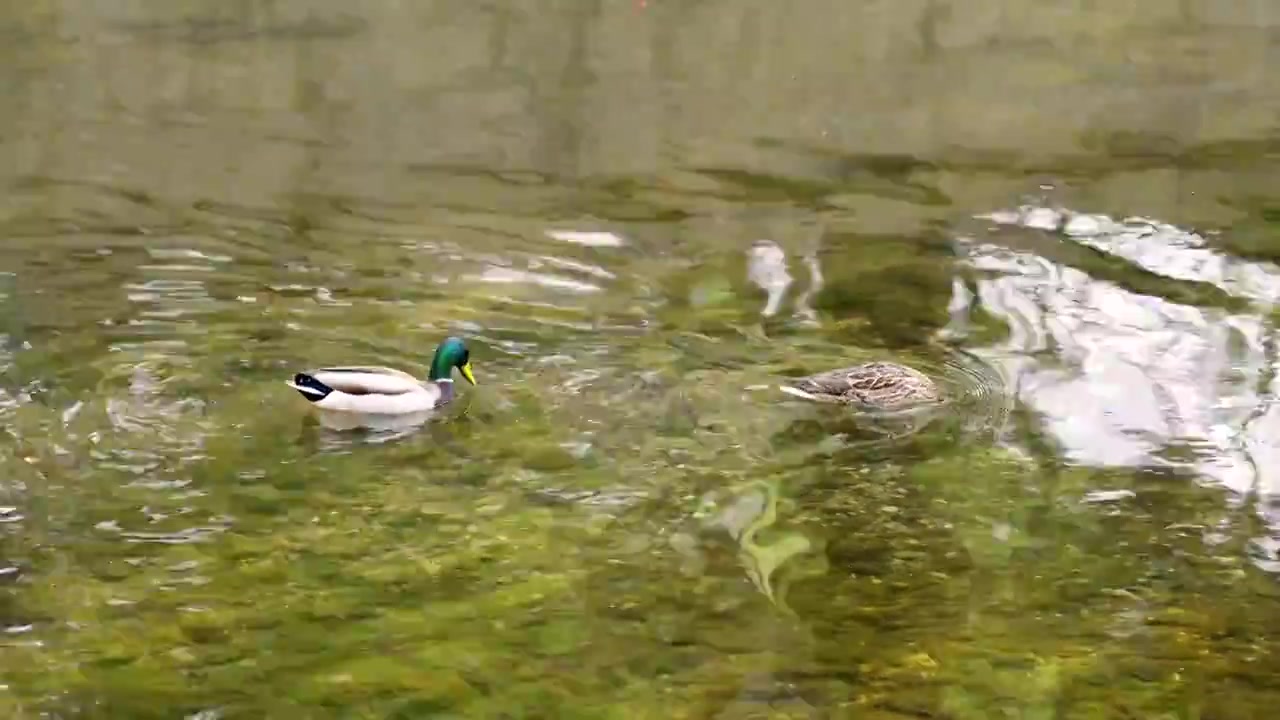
(641, 215)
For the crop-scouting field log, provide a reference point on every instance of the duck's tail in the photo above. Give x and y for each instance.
(309, 387)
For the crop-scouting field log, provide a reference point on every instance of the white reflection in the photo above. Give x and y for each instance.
(1153, 245)
(495, 274)
(587, 238)
(804, 311)
(1135, 375)
(767, 269)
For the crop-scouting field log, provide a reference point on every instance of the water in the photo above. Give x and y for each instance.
(642, 215)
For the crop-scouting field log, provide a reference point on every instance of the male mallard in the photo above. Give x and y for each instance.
(386, 391)
(873, 385)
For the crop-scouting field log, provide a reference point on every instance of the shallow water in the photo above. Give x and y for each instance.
(642, 215)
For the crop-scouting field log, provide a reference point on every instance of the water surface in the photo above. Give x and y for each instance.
(642, 215)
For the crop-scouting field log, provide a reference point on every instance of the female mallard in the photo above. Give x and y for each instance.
(386, 391)
(874, 385)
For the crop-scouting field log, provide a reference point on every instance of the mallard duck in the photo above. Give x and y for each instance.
(873, 385)
(384, 391)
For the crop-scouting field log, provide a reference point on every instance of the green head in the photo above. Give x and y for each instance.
(451, 354)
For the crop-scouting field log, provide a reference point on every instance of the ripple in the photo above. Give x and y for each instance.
(981, 394)
(180, 537)
(1264, 552)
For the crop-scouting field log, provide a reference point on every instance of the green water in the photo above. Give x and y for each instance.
(624, 520)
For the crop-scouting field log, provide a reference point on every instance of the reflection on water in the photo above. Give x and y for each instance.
(1138, 380)
(746, 514)
(1138, 377)
(767, 269)
(639, 214)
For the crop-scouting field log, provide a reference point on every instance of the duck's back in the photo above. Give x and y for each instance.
(365, 380)
(883, 385)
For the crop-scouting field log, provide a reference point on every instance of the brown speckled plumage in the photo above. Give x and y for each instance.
(879, 385)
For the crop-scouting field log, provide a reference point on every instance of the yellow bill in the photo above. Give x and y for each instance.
(466, 373)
